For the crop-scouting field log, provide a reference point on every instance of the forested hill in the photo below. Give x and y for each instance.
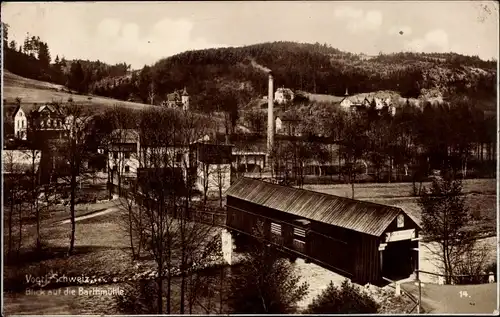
(322, 69)
(314, 68)
(242, 71)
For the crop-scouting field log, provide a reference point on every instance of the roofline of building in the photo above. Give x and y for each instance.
(328, 195)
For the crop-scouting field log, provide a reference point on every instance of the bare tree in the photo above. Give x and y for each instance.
(353, 147)
(164, 189)
(132, 219)
(160, 186)
(152, 93)
(13, 192)
(74, 153)
(35, 191)
(205, 176)
(119, 135)
(37, 143)
(220, 179)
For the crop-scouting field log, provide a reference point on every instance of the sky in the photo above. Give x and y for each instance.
(142, 33)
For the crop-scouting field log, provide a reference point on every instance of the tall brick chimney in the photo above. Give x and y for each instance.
(270, 115)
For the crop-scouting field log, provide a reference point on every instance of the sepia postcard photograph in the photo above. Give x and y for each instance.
(249, 157)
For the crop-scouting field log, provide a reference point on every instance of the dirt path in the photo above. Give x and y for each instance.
(92, 215)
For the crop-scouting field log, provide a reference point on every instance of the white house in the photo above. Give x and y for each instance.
(178, 99)
(283, 95)
(213, 166)
(123, 154)
(20, 124)
(278, 125)
(249, 160)
(349, 102)
(287, 124)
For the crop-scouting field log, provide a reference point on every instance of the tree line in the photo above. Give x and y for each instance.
(33, 59)
(319, 69)
(455, 136)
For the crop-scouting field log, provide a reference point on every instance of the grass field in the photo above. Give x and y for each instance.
(34, 91)
(480, 196)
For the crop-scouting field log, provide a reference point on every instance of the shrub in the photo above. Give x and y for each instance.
(344, 300)
(472, 265)
(492, 267)
(265, 284)
(138, 298)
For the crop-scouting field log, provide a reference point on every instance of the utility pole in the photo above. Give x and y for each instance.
(419, 293)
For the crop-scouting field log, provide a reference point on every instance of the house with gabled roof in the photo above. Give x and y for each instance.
(15, 122)
(178, 99)
(283, 95)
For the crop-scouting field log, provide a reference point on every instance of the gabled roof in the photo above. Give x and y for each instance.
(48, 107)
(10, 111)
(285, 90)
(360, 216)
(173, 96)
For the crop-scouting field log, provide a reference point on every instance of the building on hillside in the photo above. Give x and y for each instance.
(15, 122)
(48, 121)
(366, 102)
(283, 95)
(365, 241)
(128, 153)
(212, 163)
(178, 100)
(123, 155)
(349, 103)
(379, 103)
(356, 104)
(288, 124)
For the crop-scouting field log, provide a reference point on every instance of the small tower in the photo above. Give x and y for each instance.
(346, 92)
(185, 99)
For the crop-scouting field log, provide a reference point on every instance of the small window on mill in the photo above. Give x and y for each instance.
(401, 221)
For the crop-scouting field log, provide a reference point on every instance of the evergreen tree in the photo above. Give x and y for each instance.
(76, 77)
(5, 32)
(44, 54)
(344, 300)
(445, 221)
(267, 283)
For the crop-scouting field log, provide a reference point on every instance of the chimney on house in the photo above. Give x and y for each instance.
(270, 115)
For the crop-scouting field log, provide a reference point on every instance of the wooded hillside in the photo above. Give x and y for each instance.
(315, 68)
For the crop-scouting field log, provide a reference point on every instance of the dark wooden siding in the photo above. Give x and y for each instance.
(336, 253)
(330, 246)
(367, 259)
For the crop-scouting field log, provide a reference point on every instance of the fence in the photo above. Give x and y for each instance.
(209, 217)
(480, 278)
(401, 291)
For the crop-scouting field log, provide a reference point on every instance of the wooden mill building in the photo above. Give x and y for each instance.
(360, 240)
